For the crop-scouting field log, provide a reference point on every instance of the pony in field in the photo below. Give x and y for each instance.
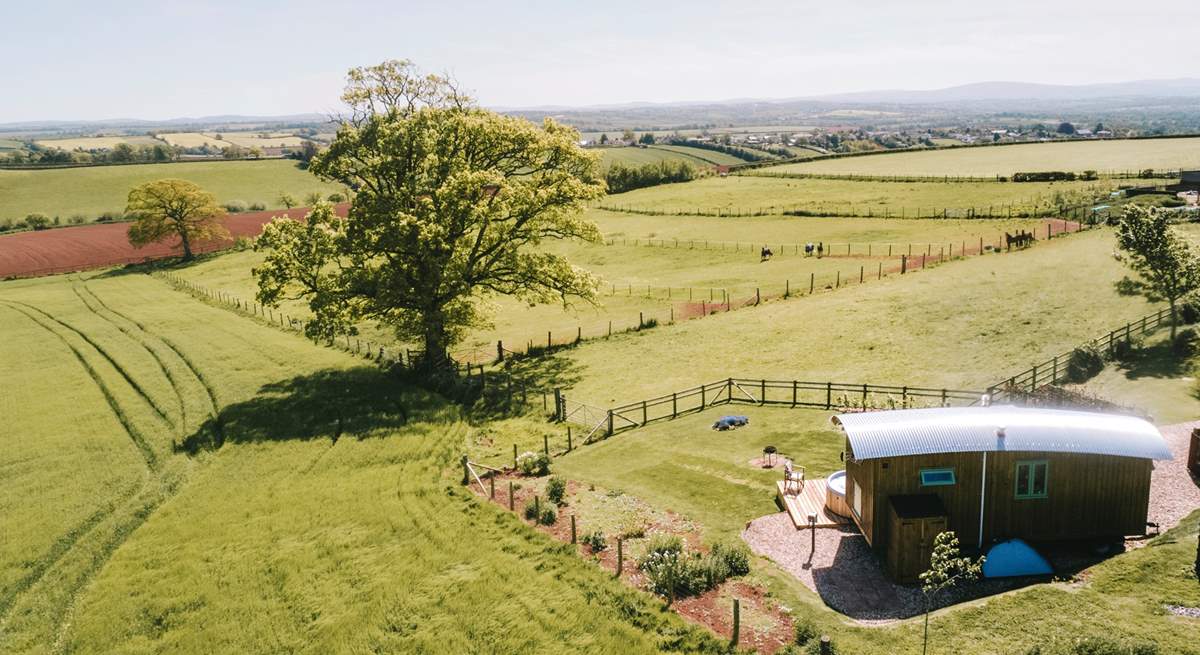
(765, 255)
(1020, 239)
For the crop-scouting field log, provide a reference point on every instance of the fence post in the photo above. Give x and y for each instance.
(737, 623)
(573, 540)
(610, 422)
(514, 456)
(569, 445)
(828, 395)
(1033, 380)
(794, 390)
(644, 421)
(903, 264)
(559, 414)
(620, 555)
(466, 470)
(512, 502)
(762, 393)
(674, 405)
(861, 270)
(812, 280)
(546, 444)
(492, 486)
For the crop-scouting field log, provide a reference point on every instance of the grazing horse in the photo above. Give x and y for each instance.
(1020, 239)
(766, 254)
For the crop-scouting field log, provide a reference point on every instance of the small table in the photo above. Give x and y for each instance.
(769, 456)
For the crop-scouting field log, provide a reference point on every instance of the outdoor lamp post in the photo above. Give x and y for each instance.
(812, 530)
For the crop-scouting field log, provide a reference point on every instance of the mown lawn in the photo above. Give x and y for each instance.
(1103, 156)
(90, 191)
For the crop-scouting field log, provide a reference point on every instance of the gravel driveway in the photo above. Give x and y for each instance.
(1174, 493)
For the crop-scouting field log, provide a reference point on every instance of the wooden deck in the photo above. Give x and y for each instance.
(811, 500)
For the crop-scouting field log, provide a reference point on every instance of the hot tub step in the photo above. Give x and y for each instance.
(810, 500)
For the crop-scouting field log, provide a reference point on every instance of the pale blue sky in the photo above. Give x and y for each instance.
(74, 59)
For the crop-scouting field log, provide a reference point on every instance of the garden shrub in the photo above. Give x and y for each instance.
(633, 526)
(257, 206)
(556, 490)
(1125, 348)
(595, 541)
(548, 516)
(1084, 363)
(1189, 310)
(530, 463)
(662, 542)
(235, 206)
(736, 557)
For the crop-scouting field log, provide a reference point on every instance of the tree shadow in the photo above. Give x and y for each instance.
(1155, 361)
(545, 371)
(328, 404)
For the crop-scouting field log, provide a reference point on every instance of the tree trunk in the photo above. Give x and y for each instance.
(187, 245)
(436, 342)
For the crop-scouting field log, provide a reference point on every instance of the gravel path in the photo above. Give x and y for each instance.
(1174, 493)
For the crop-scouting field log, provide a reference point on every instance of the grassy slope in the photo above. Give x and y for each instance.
(332, 544)
(748, 193)
(635, 156)
(91, 191)
(963, 326)
(1006, 160)
(703, 155)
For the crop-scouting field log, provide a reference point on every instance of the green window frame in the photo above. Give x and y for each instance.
(938, 477)
(1032, 479)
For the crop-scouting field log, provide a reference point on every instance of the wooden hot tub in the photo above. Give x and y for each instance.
(835, 494)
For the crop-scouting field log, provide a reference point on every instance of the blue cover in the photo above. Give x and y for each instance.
(1014, 558)
(729, 422)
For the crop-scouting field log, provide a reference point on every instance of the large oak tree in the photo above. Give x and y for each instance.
(166, 208)
(450, 205)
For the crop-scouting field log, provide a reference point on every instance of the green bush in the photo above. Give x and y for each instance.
(532, 509)
(77, 219)
(662, 542)
(1084, 363)
(235, 206)
(556, 490)
(37, 221)
(806, 630)
(257, 206)
(548, 516)
(1189, 310)
(1184, 343)
(735, 557)
(531, 463)
(1123, 349)
(336, 197)
(595, 541)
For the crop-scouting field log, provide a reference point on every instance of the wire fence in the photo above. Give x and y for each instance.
(842, 396)
(1112, 174)
(1082, 211)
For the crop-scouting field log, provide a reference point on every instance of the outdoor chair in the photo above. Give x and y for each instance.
(793, 477)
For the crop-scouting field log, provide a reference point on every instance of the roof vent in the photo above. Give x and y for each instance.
(1000, 434)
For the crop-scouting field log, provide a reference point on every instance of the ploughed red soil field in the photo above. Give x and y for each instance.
(62, 250)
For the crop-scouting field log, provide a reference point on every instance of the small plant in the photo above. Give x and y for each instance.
(595, 540)
(531, 463)
(662, 542)
(806, 631)
(77, 219)
(556, 490)
(648, 324)
(257, 206)
(633, 526)
(532, 510)
(946, 570)
(243, 243)
(235, 206)
(37, 221)
(548, 515)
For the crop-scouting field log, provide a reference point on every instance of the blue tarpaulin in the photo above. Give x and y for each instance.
(1014, 558)
(730, 422)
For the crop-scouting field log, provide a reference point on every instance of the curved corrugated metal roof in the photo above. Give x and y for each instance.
(898, 433)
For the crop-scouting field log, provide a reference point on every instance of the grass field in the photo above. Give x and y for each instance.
(749, 194)
(11, 144)
(693, 275)
(93, 190)
(705, 156)
(192, 140)
(934, 329)
(1121, 155)
(99, 142)
(252, 139)
(158, 528)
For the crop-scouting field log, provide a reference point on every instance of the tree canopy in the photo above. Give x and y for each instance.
(171, 207)
(1165, 260)
(450, 204)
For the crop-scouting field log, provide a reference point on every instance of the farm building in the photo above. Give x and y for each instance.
(994, 473)
(1188, 181)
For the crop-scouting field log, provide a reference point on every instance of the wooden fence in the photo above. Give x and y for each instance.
(1079, 212)
(1055, 369)
(598, 422)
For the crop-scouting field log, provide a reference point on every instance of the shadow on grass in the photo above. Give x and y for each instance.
(546, 372)
(328, 404)
(1158, 360)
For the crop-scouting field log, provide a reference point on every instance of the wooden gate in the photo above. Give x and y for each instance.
(915, 520)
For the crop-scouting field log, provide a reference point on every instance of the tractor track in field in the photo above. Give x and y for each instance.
(135, 435)
(175, 384)
(103, 353)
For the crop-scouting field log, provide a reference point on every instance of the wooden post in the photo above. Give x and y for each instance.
(546, 444)
(762, 393)
(757, 296)
(795, 384)
(573, 539)
(644, 421)
(903, 264)
(787, 288)
(569, 445)
(537, 510)
(828, 395)
(880, 271)
(737, 623)
(514, 455)
(674, 404)
(826, 645)
(610, 422)
(620, 555)
(861, 271)
(512, 503)
(812, 281)
(466, 470)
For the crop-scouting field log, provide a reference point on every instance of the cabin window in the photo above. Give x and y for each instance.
(856, 491)
(937, 477)
(1032, 478)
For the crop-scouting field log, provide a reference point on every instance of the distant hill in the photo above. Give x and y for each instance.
(138, 123)
(1001, 91)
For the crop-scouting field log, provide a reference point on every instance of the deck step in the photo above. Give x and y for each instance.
(810, 500)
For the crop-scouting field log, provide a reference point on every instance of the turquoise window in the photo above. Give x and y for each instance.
(1032, 478)
(937, 477)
